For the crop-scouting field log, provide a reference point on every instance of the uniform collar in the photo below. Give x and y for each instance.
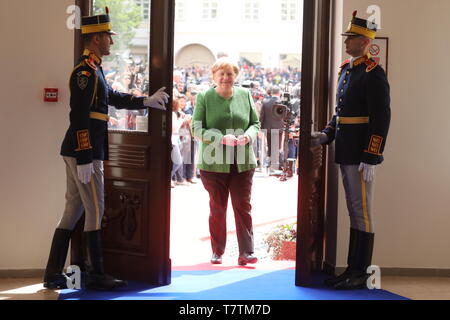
(92, 56)
(356, 61)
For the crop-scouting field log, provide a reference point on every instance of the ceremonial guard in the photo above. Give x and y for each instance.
(360, 129)
(84, 148)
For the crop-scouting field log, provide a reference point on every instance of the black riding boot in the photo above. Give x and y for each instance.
(357, 279)
(54, 277)
(351, 256)
(96, 278)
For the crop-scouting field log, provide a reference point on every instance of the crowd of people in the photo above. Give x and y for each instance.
(130, 77)
(188, 82)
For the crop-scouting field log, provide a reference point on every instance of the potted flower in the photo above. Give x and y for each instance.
(281, 241)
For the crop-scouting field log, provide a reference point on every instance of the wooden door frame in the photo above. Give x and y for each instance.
(161, 75)
(315, 90)
(315, 85)
(332, 185)
(76, 250)
(161, 72)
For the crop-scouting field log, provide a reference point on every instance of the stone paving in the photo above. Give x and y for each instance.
(274, 202)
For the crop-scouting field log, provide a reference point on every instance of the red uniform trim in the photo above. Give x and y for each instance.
(371, 64)
(345, 63)
(375, 145)
(83, 140)
(91, 64)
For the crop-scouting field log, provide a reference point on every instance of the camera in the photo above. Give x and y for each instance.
(287, 109)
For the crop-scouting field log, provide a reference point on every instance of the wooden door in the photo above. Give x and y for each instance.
(314, 106)
(137, 190)
(136, 222)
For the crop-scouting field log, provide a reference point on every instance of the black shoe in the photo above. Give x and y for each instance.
(56, 281)
(333, 281)
(247, 258)
(357, 278)
(216, 259)
(96, 279)
(350, 258)
(104, 282)
(54, 277)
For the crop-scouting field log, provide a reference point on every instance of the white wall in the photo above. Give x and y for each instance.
(36, 52)
(412, 194)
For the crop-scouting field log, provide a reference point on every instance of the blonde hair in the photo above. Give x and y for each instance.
(223, 63)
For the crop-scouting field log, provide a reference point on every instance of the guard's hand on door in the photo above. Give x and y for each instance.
(157, 100)
(318, 138)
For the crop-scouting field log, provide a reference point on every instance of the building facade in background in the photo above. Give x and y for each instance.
(258, 32)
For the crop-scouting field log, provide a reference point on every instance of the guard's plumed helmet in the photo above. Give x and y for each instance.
(99, 23)
(361, 27)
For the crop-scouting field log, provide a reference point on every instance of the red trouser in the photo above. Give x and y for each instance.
(239, 186)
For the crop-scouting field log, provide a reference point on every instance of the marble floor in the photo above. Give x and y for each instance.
(416, 288)
(265, 215)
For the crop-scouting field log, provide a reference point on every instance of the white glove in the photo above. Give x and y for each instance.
(318, 138)
(157, 100)
(368, 171)
(85, 172)
(229, 140)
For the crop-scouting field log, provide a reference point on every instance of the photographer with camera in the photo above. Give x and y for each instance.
(272, 124)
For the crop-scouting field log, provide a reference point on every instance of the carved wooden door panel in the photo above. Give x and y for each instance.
(137, 197)
(314, 105)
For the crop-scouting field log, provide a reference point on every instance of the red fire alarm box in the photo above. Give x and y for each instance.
(51, 95)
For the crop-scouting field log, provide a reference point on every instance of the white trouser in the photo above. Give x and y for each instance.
(359, 194)
(88, 197)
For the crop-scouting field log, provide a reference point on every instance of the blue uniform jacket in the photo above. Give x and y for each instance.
(361, 123)
(87, 136)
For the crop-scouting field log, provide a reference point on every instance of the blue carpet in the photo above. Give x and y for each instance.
(235, 284)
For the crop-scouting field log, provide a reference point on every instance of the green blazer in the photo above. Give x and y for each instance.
(215, 117)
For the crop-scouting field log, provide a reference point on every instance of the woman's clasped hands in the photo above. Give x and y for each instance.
(232, 141)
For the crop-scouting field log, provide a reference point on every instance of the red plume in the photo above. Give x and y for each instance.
(355, 13)
(107, 10)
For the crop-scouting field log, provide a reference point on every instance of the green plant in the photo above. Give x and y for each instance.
(278, 235)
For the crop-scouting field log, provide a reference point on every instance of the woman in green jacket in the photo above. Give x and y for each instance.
(226, 123)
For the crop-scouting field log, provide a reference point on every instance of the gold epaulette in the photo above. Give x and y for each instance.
(346, 62)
